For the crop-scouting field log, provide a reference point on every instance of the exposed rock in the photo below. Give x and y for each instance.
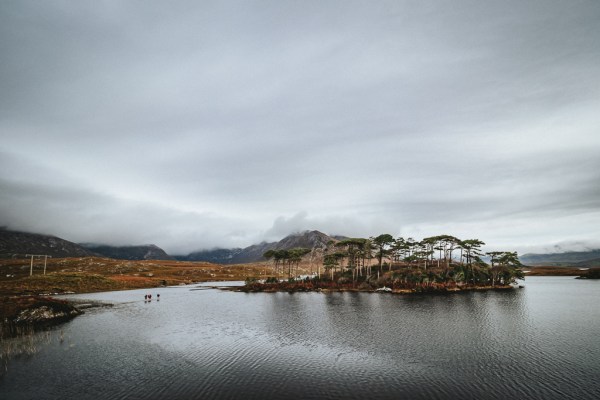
(25, 313)
(44, 314)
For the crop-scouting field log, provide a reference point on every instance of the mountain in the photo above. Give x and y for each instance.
(254, 253)
(143, 252)
(13, 244)
(595, 263)
(20, 243)
(308, 239)
(217, 256)
(573, 258)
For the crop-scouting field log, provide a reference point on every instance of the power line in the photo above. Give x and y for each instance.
(37, 255)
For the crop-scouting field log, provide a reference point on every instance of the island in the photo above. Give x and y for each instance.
(436, 264)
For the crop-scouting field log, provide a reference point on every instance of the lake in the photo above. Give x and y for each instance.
(540, 342)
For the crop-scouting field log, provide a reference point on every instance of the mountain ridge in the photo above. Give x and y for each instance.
(254, 253)
(569, 258)
(17, 243)
(138, 252)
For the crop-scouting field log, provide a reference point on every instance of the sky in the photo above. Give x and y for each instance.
(201, 124)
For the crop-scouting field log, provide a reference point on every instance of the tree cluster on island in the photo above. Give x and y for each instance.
(436, 263)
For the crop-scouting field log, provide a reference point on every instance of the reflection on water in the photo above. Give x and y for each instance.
(539, 342)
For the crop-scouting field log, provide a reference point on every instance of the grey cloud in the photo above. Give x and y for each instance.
(274, 116)
(283, 226)
(331, 224)
(84, 216)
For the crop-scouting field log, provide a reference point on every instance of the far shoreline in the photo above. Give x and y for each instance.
(304, 287)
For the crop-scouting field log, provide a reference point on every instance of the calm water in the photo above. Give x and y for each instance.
(541, 342)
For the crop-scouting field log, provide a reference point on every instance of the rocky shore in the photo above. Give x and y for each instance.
(19, 314)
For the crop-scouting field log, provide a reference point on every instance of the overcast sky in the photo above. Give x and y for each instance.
(196, 124)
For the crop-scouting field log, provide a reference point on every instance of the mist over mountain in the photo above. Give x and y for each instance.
(13, 244)
(17, 244)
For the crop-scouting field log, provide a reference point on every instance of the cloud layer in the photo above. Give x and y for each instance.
(199, 124)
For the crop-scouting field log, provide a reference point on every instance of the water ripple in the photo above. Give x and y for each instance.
(537, 343)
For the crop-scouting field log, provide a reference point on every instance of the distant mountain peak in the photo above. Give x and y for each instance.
(310, 239)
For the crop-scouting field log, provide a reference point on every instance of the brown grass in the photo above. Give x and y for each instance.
(92, 274)
(553, 271)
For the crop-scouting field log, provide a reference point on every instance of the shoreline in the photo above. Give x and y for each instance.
(23, 315)
(25, 312)
(300, 287)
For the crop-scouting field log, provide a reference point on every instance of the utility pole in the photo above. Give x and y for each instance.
(31, 267)
(37, 255)
(45, 260)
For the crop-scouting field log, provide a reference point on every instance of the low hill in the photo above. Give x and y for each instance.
(143, 252)
(17, 244)
(217, 256)
(589, 263)
(254, 253)
(573, 258)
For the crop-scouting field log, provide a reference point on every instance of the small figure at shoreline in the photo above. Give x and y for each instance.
(157, 296)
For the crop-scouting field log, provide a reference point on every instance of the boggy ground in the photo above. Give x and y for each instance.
(91, 274)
